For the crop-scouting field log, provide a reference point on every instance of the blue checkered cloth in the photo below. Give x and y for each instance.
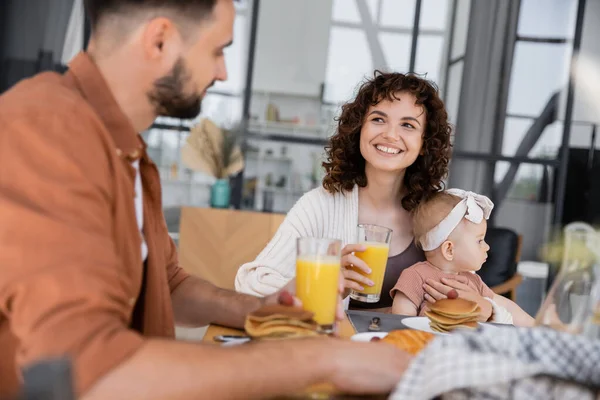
(504, 363)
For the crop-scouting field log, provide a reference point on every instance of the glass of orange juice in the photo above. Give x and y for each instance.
(318, 266)
(377, 241)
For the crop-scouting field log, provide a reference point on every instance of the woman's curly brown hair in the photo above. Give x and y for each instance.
(345, 165)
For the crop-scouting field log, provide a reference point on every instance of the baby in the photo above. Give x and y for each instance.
(450, 228)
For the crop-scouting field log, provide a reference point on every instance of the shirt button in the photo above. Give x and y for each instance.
(132, 301)
(119, 152)
(134, 154)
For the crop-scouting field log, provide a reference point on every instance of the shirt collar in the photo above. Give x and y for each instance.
(93, 87)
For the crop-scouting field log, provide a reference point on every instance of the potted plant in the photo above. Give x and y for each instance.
(216, 152)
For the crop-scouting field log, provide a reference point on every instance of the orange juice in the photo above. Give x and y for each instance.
(317, 280)
(376, 257)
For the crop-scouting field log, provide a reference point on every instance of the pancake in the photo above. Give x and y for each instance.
(444, 320)
(455, 316)
(448, 315)
(279, 322)
(438, 328)
(466, 325)
(452, 307)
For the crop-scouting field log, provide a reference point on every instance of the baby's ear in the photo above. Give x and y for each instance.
(448, 250)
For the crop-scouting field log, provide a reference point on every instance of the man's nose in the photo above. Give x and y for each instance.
(221, 74)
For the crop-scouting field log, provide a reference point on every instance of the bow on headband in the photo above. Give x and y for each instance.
(474, 207)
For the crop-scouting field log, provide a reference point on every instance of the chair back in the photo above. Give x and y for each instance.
(503, 256)
(214, 243)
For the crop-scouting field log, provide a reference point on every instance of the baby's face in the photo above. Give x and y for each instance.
(470, 248)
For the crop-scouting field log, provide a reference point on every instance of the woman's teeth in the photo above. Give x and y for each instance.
(388, 150)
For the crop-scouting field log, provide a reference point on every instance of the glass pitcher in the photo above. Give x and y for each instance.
(573, 302)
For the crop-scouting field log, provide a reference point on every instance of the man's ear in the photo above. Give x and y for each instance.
(160, 39)
(448, 250)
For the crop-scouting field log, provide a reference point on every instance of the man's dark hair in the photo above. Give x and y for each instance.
(98, 9)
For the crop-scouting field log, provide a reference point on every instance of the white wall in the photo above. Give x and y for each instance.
(530, 220)
(458, 48)
(291, 47)
(587, 89)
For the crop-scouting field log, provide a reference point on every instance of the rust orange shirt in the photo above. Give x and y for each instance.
(72, 280)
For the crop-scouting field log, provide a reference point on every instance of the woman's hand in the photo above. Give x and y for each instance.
(457, 287)
(352, 279)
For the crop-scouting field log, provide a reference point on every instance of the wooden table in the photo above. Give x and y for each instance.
(322, 391)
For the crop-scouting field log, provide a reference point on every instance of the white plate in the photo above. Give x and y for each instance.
(367, 336)
(422, 324)
(235, 342)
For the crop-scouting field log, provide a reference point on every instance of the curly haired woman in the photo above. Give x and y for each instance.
(391, 150)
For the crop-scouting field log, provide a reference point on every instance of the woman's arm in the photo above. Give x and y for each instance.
(520, 317)
(403, 306)
(275, 266)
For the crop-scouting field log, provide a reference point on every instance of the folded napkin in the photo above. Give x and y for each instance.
(504, 363)
(280, 322)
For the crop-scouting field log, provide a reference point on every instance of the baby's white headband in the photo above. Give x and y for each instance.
(474, 207)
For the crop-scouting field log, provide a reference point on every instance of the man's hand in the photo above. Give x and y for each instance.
(364, 368)
(457, 287)
(286, 297)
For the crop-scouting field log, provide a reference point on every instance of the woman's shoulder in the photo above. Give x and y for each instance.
(314, 212)
(321, 197)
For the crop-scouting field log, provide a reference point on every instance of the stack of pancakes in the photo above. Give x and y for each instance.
(409, 340)
(280, 322)
(449, 314)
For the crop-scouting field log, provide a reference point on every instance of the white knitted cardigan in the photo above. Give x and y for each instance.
(317, 214)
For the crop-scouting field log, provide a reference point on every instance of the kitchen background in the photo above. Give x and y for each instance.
(525, 126)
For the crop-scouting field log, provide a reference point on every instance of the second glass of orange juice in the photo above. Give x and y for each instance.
(377, 241)
(318, 266)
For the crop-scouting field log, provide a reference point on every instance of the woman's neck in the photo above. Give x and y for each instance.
(384, 190)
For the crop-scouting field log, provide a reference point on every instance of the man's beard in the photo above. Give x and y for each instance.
(169, 98)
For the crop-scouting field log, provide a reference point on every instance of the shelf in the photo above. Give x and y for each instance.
(287, 192)
(170, 181)
(287, 138)
(258, 157)
(289, 128)
(273, 131)
(276, 190)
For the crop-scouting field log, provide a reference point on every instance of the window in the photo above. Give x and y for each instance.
(378, 34)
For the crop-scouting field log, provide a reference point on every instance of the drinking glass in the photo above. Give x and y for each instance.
(318, 266)
(377, 241)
